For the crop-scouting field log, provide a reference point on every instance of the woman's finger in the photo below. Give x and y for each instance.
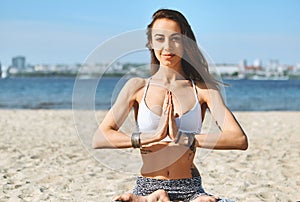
(170, 101)
(166, 101)
(165, 113)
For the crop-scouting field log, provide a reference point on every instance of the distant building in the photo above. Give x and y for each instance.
(257, 63)
(257, 66)
(18, 62)
(227, 69)
(273, 65)
(3, 71)
(243, 65)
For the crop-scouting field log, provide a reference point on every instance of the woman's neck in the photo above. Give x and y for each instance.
(170, 74)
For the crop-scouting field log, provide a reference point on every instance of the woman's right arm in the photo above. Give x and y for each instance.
(108, 135)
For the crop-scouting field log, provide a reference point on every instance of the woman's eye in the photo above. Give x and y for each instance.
(160, 39)
(176, 39)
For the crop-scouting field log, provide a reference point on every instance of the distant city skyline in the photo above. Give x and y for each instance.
(229, 31)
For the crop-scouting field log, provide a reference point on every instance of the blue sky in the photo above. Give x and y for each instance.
(66, 31)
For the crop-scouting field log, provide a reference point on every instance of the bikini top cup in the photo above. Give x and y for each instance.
(190, 122)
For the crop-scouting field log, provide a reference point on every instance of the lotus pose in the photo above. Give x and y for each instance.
(169, 110)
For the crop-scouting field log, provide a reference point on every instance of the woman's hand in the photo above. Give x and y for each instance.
(173, 129)
(162, 129)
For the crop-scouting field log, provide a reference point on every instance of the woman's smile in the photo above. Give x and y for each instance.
(168, 56)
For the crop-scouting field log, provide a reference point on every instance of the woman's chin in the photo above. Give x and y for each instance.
(168, 63)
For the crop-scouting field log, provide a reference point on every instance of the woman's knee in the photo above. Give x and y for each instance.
(161, 195)
(161, 192)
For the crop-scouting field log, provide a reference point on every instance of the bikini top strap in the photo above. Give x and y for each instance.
(146, 88)
(195, 90)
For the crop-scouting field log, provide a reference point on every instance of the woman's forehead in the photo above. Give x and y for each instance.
(165, 26)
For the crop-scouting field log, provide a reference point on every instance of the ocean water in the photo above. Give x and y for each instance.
(263, 95)
(57, 93)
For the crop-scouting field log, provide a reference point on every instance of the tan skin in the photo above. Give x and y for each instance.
(166, 96)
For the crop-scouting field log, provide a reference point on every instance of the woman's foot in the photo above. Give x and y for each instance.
(205, 198)
(157, 196)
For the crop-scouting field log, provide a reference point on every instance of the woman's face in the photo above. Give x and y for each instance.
(167, 42)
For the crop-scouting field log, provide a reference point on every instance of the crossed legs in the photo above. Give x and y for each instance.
(159, 196)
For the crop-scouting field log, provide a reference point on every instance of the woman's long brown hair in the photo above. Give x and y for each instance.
(194, 64)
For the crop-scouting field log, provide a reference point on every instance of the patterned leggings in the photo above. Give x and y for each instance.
(181, 189)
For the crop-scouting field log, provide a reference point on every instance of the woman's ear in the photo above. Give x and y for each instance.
(149, 45)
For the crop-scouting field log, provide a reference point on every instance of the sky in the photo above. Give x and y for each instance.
(67, 31)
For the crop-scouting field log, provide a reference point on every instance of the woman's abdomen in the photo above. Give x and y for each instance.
(167, 161)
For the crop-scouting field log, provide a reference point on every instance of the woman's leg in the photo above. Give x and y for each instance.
(205, 198)
(210, 198)
(157, 196)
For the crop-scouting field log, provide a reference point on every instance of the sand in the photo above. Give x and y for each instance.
(43, 159)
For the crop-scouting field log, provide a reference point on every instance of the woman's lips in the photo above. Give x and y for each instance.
(168, 55)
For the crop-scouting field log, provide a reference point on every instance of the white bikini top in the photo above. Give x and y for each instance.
(190, 122)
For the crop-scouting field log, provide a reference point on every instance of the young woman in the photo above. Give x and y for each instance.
(169, 109)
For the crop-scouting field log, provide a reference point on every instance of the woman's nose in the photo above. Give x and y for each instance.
(168, 44)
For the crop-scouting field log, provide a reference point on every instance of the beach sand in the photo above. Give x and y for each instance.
(43, 159)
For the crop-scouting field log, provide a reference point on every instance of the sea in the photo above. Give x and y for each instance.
(61, 93)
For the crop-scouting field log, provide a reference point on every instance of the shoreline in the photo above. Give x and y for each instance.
(105, 110)
(44, 159)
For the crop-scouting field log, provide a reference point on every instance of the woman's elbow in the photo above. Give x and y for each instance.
(243, 143)
(95, 142)
(98, 141)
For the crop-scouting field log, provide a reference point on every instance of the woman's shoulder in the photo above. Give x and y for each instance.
(136, 81)
(205, 86)
(206, 90)
(134, 84)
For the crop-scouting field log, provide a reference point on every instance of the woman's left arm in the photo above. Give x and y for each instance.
(231, 134)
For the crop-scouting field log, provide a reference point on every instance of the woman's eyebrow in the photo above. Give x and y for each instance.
(159, 35)
(176, 34)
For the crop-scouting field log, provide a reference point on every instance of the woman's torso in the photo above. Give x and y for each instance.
(165, 159)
